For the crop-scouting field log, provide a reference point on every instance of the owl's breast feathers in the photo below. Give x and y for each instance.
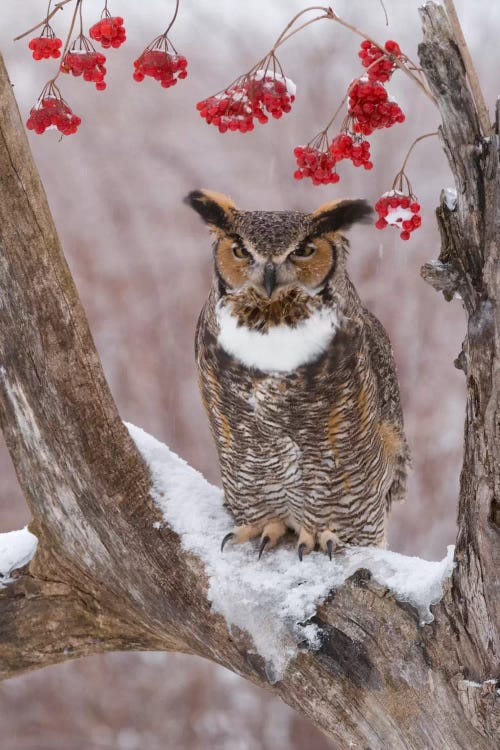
(298, 415)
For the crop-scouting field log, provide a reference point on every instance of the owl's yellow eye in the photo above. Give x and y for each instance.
(239, 251)
(304, 251)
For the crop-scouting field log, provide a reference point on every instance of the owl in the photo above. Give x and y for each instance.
(298, 380)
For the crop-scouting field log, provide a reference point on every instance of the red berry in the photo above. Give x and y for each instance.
(163, 66)
(317, 164)
(46, 45)
(380, 66)
(370, 107)
(397, 209)
(85, 62)
(52, 112)
(352, 147)
(109, 31)
(249, 99)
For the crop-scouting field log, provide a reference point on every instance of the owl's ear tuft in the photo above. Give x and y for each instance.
(216, 209)
(340, 215)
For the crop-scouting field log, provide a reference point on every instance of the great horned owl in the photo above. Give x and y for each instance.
(298, 379)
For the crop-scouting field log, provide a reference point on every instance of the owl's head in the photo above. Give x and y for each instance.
(273, 252)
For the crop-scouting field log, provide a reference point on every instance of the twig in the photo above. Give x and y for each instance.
(58, 6)
(173, 17)
(289, 25)
(334, 116)
(420, 138)
(283, 39)
(385, 12)
(68, 37)
(477, 94)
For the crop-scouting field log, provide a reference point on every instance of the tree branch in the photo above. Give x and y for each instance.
(470, 246)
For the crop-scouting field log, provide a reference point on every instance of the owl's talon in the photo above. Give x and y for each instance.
(307, 542)
(328, 542)
(226, 539)
(264, 542)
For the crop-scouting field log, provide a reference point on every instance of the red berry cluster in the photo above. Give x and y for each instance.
(316, 163)
(355, 148)
(399, 210)
(109, 31)
(88, 63)
(161, 65)
(52, 112)
(380, 66)
(46, 45)
(249, 99)
(370, 107)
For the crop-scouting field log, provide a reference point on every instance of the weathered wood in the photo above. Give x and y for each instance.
(104, 579)
(470, 245)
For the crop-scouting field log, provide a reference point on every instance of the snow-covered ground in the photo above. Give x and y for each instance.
(273, 598)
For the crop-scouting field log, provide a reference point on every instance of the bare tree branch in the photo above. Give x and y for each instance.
(470, 245)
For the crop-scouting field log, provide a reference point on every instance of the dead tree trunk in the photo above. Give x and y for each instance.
(102, 579)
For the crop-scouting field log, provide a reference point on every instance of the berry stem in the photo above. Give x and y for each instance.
(397, 62)
(68, 38)
(477, 94)
(333, 118)
(81, 20)
(398, 181)
(283, 36)
(385, 12)
(57, 6)
(173, 17)
(402, 174)
(417, 140)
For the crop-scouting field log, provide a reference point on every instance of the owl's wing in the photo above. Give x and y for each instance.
(384, 367)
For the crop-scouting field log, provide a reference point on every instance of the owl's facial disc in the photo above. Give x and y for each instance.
(305, 266)
(275, 253)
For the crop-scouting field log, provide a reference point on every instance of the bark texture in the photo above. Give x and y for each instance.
(101, 580)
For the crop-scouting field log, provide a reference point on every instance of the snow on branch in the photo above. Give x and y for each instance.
(273, 598)
(16, 549)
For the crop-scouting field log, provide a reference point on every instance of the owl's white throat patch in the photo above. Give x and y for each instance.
(282, 348)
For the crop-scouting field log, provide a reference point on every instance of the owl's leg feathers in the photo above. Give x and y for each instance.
(241, 534)
(307, 542)
(328, 541)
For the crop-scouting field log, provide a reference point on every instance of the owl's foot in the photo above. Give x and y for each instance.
(241, 534)
(327, 540)
(269, 534)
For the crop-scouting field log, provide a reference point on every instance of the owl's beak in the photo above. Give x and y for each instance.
(269, 278)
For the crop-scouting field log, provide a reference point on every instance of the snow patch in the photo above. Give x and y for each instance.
(450, 198)
(271, 76)
(16, 549)
(281, 349)
(272, 599)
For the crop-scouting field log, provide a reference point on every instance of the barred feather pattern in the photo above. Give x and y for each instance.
(321, 447)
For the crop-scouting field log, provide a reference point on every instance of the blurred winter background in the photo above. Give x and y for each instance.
(141, 261)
